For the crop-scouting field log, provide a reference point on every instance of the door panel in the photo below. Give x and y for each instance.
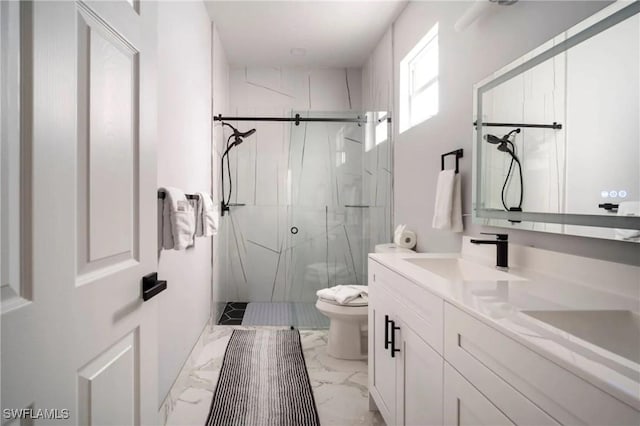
(107, 386)
(112, 142)
(422, 381)
(85, 341)
(465, 405)
(382, 367)
(107, 148)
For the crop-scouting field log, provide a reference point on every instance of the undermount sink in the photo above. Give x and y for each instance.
(455, 269)
(615, 331)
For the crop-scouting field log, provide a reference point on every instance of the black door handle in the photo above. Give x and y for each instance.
(393, 339)
(386, 331)
(151, 286)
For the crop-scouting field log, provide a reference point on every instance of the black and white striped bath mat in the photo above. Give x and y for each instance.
(263, 381)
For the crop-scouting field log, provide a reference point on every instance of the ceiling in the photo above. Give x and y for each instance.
(333, 33)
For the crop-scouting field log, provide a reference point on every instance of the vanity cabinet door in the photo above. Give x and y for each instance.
(382, 367)
(465, 405)
(420, 380)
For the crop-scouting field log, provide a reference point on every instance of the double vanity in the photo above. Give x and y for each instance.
(553, 340)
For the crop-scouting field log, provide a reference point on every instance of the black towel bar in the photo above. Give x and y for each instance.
(555, 125)
(162, 195)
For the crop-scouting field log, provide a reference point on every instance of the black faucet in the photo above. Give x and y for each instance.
(502, 248)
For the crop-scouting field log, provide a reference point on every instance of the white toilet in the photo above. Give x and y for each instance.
(348, 323)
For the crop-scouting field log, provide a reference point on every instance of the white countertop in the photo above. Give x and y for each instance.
(499, 304)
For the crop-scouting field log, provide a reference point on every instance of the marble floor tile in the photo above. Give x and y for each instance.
(339, 386)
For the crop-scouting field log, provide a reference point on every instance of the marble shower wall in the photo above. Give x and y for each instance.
(305, 177)
(220, 100)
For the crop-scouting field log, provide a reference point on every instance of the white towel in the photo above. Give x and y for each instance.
(456, 211)
(447, 214)
(206, 216)
(178, 220)
(628, 208)
(343, 294)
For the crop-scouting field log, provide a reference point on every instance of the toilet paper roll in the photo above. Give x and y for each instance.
(407, 239)
(397, 234)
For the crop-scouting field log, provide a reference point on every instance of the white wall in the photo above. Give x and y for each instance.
(377, 76)
(466, 58)
(184, 161)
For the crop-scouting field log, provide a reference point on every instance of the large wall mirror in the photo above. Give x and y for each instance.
(557, 133)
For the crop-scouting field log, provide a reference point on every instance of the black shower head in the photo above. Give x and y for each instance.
(493, 139)
(504, 147)
(502, 142)
(237, 134)
(243, 134)
(239, 137)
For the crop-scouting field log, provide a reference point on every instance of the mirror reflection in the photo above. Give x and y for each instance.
(559, 134)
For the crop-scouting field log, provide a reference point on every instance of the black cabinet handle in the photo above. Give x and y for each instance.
(393, 339)
(386, 331)
(151, 286)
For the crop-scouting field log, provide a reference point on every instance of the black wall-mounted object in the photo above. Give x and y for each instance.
(152, 286)
(297, 119)
(162, 195)
(610, 207)
(387, 321)
(458, 153)
(555, 126)
(502, 247)
(515, 209)
(393, 339)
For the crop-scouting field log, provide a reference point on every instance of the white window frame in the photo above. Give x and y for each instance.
(408, 92)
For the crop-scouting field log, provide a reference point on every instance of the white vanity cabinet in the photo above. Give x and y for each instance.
(527, 387)
(405, 371)
(451, 367)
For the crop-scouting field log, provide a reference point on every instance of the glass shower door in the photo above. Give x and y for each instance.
(311, 201)
(329, 207)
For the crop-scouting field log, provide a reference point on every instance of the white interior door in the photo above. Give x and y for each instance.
(76, 335)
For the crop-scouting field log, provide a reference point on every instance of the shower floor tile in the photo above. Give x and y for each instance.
(233, 313)
(302, 315)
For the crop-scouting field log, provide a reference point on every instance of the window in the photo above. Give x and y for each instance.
(419, 81)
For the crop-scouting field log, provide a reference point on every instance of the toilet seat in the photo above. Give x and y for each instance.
(342, 311)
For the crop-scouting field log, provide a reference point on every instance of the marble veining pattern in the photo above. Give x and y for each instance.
(339, 386)
(329, 181)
